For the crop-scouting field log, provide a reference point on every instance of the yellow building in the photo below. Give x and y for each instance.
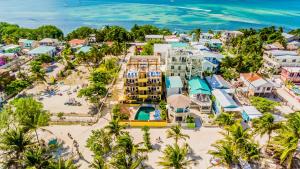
(143, 79)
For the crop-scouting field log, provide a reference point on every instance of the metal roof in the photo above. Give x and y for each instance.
(174, 82)
(224, 98)
(41, 50)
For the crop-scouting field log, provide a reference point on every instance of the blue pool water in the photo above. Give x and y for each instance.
(174, 14)
(143, 113)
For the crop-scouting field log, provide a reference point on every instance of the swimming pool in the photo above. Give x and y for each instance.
(143, 113)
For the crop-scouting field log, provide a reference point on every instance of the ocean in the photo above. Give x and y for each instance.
(180, 15)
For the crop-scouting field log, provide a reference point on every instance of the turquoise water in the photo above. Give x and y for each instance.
(174, 14)
(144, 113)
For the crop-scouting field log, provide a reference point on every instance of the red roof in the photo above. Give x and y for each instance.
(251, 77)
(77, 42)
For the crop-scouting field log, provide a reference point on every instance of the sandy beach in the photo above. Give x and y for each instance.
(199, 141)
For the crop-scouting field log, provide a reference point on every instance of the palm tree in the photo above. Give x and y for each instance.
(100, 143)
(30, 114)
(128, 155)
(146, 137)
(63, 164)
(96, 56)
(285, 143)
(38, 71)
(175, 157)
(241, 144)
(175, 132)
(225, 153)
(265, 125)
(225, 119)
(114, 128)
(13, 144)
(37, 158)
(99, 163)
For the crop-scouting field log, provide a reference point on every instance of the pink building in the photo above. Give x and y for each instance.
(291, 74)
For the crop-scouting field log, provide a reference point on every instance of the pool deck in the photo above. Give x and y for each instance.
(134, 110)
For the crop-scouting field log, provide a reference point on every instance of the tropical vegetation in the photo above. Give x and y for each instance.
(20, 145)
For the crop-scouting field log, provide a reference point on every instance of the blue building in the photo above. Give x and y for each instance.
(224, 102)
(217, 82)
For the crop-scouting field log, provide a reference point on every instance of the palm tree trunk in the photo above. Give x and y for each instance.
(37, 136)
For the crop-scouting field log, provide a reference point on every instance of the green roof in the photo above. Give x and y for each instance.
(42, 50)
(84, 49)
(198, 86)
(174, 82)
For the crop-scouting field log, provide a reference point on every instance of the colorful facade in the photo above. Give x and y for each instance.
(290, 74)
(143, 80)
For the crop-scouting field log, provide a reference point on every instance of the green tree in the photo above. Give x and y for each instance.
(175, 157)
(93, 92)
(37, 157)
(148, 49)
(99, 163)
(49, 31)
(175, 133)
(263, 105)
(101, 75)
(38, 71)
(13, 144)
(16, 86)
(146, 137)
(285, 143)
(225, 119)
(81, 33)
(63, 164)
(95, 56)
(100, 143)
(128, 154)
(265, 125)
(242, 142)
(45, 58)
(114, 128)
(30, 114)
(225, 153)
(139, 32)
(295, 32)
(197, 33)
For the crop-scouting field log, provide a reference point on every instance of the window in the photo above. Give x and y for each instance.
(172, 67)
(294, 60)
(179, 68)
(258, 88)
(268, 88)
(283, 60)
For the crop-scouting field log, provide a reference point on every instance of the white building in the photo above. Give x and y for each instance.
(275, 59)
(206, 36)
(154, 37)
(289, 37)
(226, 36)
(256, 85)
(174, 85)
(162, 50)
(43, 50)
(48, 42)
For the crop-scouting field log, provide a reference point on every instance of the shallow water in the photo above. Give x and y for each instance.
(174, 14)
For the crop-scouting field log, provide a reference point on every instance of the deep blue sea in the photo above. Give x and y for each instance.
(173, 14)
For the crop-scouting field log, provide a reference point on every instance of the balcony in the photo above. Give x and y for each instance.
(143, 96)
(142, 88)
(143, 80)
(201, 100)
